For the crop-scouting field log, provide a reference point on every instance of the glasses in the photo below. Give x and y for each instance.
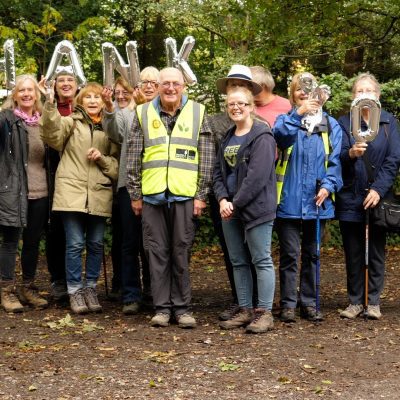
(121, 93)
(239, 104)
(176, 85)
(145, 83)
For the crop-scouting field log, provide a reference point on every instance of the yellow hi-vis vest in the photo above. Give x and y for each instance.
(170, 161)
(281, 167)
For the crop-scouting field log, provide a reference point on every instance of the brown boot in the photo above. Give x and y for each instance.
(29, 294)
(9, 299)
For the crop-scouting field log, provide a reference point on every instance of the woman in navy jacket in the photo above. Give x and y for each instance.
(357, 196)
(245, 187)
(309, 173)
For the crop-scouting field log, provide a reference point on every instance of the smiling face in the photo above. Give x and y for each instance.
(92, 103)
(122, 96)
(240, 105)
(25, 96)
(299, 96)
(171, 88)
(66, 87)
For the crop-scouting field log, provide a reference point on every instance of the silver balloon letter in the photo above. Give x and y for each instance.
(180, 60)
(112, 60)
(65, 49)
(7, 64)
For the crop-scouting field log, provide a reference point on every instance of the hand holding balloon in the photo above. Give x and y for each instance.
(106, 95)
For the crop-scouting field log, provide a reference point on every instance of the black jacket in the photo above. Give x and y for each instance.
(255, 200)
(384, 156)
(13, 170)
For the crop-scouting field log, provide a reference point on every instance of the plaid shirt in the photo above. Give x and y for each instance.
(135, 147)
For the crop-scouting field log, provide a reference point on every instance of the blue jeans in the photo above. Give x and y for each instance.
(83, 231)
(246, 247)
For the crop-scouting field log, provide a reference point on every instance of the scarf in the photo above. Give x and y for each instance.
(96, 120)
(30, 121)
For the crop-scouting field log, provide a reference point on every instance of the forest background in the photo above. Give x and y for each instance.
(335, 40)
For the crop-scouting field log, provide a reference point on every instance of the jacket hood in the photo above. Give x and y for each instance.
(258, 128)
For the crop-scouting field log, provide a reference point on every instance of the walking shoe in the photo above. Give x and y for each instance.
(185, 320)
(91, 300)
(374, 311)
(352, 311)
(262, 322)
(160, 319)
(130, 308)
(310, 313)
(59, 291)
(29, 294)
(288, 315)
(77, 302)
(9, 300)
(229, 312)
(242, 317)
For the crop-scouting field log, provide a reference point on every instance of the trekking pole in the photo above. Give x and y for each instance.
(105, 273)
(318, 315)
(366, 263)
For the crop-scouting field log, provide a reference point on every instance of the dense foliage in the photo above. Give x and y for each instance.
(333, 39)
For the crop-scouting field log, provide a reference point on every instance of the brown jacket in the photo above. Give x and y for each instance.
(81, 185)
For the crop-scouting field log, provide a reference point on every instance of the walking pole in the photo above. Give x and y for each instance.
(318, 315)
(366, 263)
(105, 272)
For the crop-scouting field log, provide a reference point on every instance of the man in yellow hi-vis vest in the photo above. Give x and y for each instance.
(170, 159)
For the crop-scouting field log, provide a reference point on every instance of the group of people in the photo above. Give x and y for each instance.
(150, 158)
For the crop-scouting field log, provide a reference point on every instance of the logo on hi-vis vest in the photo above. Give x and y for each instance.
(156, 124)
(185, 154)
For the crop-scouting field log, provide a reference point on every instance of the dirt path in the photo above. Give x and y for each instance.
(47, 355)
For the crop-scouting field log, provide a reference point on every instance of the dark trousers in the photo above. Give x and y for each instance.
(116, 245)
(297, 237)
(38, 211)
(55, 247)
(168, 234)
(132, 247)
(353, 235)
(217, 223)
(8, 251)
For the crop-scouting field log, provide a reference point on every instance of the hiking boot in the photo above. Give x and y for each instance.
(352, 311)
(130, 308)
(91, 300)
(9, 299)
(310, 313)
(160, 319)
(262, 322)
(288, 315)
(29, 294)
(77, 302)
(59, 291)
(229, 312)
(374, 312)
(242, 317)
(185, 320)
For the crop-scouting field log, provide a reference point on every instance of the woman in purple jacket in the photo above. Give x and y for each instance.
(245, 187)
